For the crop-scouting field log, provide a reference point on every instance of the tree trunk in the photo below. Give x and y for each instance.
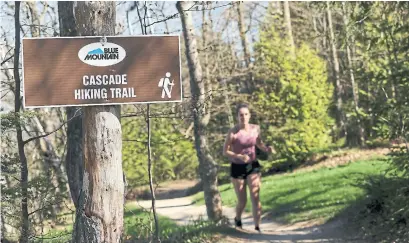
(24, 234)
(35, 20)
(74, 164)
(221, 80)
(73, 160)
(338, 86)
(206, 77)
(243, 38)
(324, 27)
(287, 20)
(314, 24)
(368, 126)
(317, 35)
(99, 216)
(207, 166)
(361, 138)
(156, 236)
(227, 102)
(391, 52)
(244, 44)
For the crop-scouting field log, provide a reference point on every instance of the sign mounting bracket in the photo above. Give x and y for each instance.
(103, 40)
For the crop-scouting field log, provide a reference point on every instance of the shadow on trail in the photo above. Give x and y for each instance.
(332, 231)
(281, 237)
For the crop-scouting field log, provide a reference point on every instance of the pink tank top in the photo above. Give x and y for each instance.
(244, 143)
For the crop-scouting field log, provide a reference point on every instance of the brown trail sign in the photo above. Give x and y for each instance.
(81, 71)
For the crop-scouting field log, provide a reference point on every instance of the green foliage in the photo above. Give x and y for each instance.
(43, 197)
(55, 236)
(294, 106)
(382, 70)
(9, 120)
(173, 156)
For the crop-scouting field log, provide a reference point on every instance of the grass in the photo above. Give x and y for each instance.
(138, 224)
(56, 236)
(301, 196)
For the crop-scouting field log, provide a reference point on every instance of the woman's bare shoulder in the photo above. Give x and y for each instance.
(255, 126)
(234, 129)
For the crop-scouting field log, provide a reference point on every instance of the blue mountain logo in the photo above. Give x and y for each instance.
(96, 51)
(110, 53)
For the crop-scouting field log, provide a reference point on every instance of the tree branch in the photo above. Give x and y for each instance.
(49, 133)
(44, 206)
(139, 16)
(5, 94)
(190, 9)
(6, 60)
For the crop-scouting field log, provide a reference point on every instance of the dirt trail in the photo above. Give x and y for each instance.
(182, 211)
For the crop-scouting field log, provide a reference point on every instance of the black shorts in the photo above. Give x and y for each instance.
(241, 171)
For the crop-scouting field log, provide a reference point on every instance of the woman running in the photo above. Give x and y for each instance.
(239, 147)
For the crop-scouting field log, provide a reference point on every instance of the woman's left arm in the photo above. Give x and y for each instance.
(260, 144)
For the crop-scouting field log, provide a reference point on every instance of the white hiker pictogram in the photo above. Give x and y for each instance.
(165, 83)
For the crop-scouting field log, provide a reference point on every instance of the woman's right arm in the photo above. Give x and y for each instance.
(227, 145)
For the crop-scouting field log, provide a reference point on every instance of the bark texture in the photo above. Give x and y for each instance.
(99, 216)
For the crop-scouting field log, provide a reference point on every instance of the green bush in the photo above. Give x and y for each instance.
(294, 110)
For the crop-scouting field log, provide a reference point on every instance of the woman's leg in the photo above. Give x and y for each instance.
(240, 189)
(254, 182)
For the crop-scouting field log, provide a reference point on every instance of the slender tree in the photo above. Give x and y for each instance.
(207, 165)
(73, 160)
(355, 95)
(24, 234)
(338, 86)
(244, 42)
(287, 23)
